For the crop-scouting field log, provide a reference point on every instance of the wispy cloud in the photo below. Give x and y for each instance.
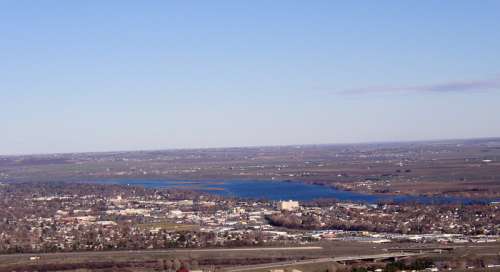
(442, 87)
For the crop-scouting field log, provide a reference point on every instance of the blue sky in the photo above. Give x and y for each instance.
(126, 75)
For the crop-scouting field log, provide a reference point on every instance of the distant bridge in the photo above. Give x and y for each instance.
(420, 250)
(373, 257)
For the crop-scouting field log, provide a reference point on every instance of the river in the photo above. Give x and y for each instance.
(280, 190)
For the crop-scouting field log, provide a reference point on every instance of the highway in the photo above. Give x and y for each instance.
(163, 251)
(320, 260)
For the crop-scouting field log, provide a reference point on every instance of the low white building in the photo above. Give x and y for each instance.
(175, 214)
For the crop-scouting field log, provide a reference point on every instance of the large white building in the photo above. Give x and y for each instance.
(289, 205)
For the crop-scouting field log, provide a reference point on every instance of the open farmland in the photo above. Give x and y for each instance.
(457, 167)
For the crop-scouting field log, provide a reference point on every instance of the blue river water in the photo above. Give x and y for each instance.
(282, 190)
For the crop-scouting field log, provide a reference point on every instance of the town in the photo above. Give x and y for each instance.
(59, 217)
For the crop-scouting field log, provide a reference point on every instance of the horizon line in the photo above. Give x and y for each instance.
(252, 146)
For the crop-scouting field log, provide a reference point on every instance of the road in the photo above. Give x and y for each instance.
(320, 260)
